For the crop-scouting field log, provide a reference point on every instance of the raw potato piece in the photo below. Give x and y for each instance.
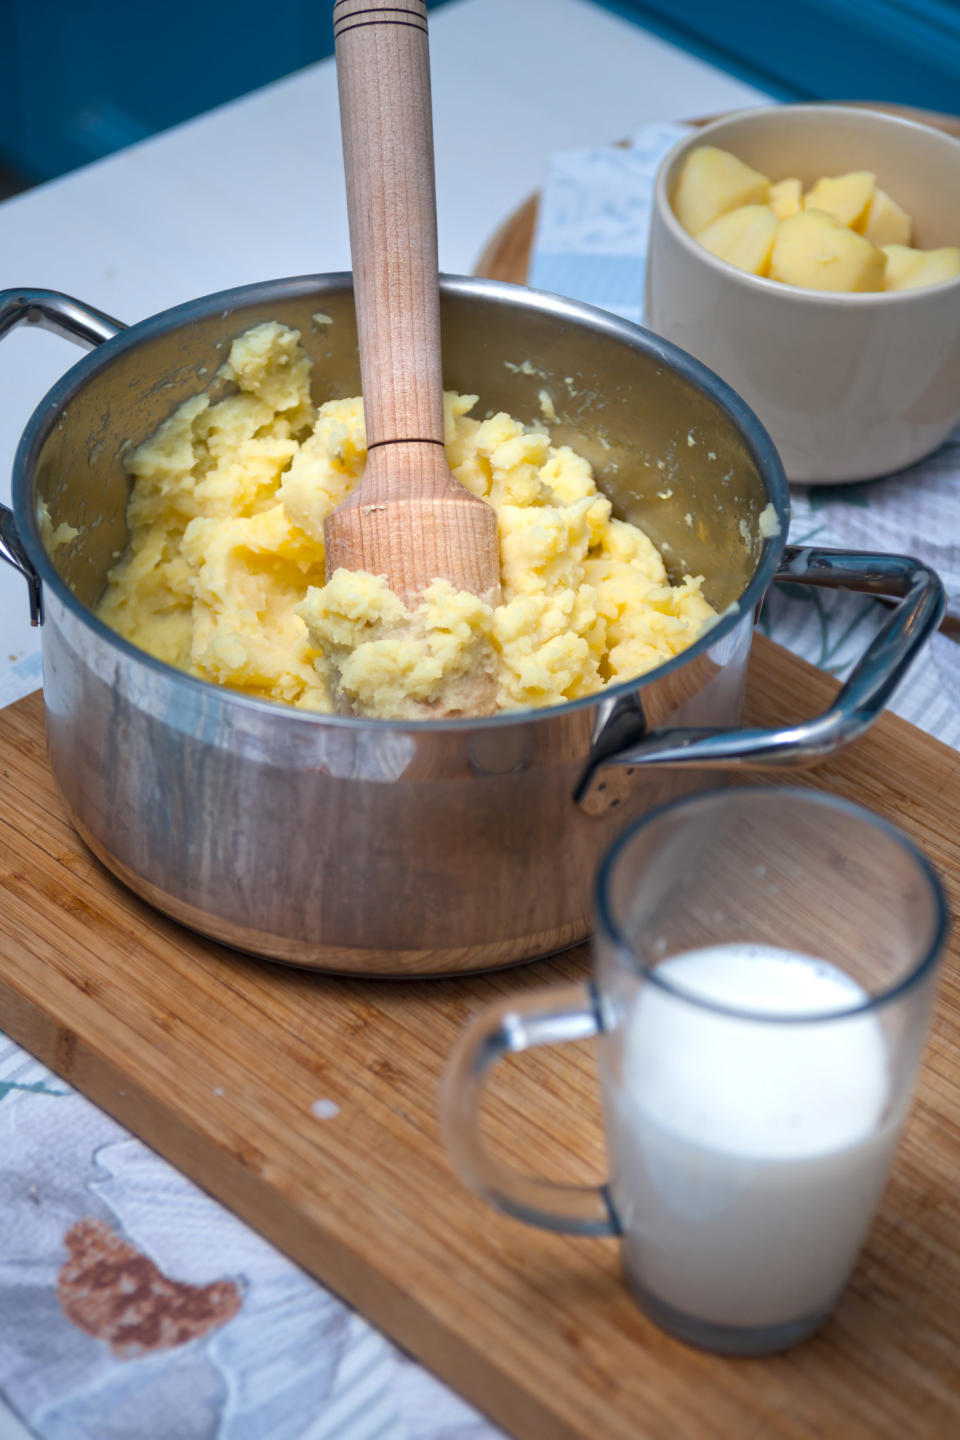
(743, 238)
(942, 264)
(786, 198)
(908, 269)
(887, 222)
(713, 182)
(846, 197)
(845, 234)
(816, 252)
(902, 262)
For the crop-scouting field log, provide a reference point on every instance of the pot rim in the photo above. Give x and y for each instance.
(758, 442)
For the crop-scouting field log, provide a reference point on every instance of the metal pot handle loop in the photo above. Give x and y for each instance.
(58, 313)
(11, 550)
(858, 704)
(74, 321)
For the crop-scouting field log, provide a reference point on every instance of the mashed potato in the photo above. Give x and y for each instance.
(224, 573)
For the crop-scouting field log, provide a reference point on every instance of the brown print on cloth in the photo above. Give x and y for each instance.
(111, 1291)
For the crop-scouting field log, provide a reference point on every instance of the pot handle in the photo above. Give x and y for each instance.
(870, 685)
(11, 550)
(74, 321)
(58, 313)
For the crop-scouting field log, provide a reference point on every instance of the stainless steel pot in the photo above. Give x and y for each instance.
(397, 848)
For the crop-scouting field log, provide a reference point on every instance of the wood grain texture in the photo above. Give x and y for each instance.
(383, 77)
(409, 519)
(215, 1061)
(506, 255)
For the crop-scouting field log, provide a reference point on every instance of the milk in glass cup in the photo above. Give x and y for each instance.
(765, 962)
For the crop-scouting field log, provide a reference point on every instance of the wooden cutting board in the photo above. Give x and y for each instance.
(215, 1061)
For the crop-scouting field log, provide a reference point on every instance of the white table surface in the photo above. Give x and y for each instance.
(254, 189)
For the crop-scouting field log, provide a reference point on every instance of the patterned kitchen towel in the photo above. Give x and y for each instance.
(22, 677)
(134, 1307)
(594, 221)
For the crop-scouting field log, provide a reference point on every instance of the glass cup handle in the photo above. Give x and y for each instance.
(542, 1017)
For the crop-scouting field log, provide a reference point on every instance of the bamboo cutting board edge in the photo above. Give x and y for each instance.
(510, 1340)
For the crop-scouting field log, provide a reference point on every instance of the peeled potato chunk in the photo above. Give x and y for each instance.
(786, 198)
(844, 234)
(887, 222)
(817, 252)
(846, 197)
(713, 182)
(901, 263)
(908, 269)
(743, 237)
(942, 264)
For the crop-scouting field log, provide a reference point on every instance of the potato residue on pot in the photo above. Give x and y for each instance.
(224, 572)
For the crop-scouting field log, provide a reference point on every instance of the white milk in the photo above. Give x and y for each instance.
(749, 1155)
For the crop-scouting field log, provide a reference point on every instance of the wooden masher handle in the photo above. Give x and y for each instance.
(383, 75)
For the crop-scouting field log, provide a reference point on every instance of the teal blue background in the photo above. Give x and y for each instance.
(81, 78)
(899, 50)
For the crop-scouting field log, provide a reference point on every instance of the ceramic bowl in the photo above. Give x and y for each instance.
(849, 386)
